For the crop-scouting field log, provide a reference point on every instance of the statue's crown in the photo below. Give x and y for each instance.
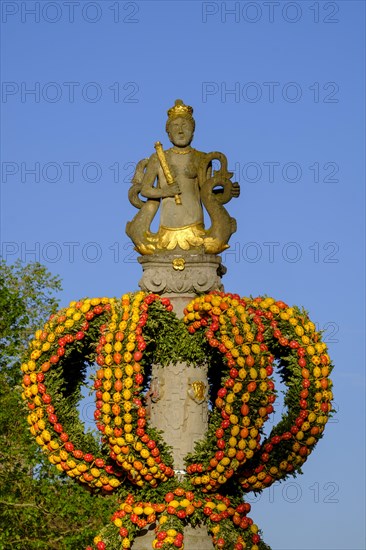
(180, 109)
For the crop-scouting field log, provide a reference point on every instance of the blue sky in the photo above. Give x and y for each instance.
(279, 88)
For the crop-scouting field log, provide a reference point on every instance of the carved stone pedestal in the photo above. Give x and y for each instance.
(181, 273)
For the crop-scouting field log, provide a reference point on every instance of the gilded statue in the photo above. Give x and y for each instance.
(181, 181)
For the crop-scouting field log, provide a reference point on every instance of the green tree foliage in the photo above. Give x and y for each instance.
(39, 508)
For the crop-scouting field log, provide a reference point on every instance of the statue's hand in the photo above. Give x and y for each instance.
(170, 190)
(235, 190)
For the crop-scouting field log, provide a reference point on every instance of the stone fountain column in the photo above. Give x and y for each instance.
(178, 409)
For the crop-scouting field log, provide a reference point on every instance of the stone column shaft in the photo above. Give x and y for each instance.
(180, 408)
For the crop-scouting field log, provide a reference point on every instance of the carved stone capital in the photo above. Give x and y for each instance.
(176, 273)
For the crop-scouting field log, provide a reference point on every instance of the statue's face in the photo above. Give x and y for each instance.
(180, 131)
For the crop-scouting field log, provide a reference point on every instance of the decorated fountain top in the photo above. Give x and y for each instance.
(180, 181)
(177, 464)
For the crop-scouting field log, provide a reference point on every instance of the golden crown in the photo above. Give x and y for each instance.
(180, 109)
